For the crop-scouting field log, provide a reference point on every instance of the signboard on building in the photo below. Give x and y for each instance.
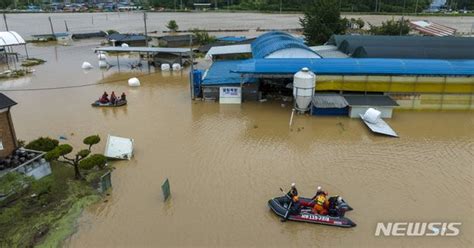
(230, 95)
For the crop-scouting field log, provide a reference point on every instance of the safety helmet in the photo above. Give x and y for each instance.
(319, 188)
(339, 199)
(293, 185)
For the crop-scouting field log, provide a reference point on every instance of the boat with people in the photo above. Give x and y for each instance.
(321, 209)
(114, 101)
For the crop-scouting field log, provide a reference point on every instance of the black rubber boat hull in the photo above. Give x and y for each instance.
(118, 104)
(279, 209)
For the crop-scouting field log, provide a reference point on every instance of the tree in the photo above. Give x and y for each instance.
(322, 18)
(81, 159)
(5, 3)
(172, 26)
(391, 27)
(203, 37)
(44, 144)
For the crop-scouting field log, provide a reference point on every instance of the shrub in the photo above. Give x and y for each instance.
(93, 161)
(44, 144)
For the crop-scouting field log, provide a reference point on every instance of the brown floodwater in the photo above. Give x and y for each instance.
(157, 21)
(225, 162)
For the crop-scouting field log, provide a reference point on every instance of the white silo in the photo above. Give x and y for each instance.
(304, 82)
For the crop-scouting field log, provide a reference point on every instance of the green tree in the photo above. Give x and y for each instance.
(5, 3)
(44, 144)
(81, 159)
(322, 18)
(172, 26)
(203, 37)
(391, 27)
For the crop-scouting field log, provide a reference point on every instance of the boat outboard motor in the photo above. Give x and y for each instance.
(342, 207)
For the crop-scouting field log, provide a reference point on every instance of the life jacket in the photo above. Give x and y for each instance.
(321, 199)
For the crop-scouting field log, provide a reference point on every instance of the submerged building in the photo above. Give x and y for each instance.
(266, 67)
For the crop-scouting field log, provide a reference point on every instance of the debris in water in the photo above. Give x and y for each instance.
(134, 82)
(86, 65)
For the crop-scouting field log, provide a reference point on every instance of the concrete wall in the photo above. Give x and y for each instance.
(354, 111)
(7, 134)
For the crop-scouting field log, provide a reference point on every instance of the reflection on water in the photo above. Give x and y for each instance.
(225, 162)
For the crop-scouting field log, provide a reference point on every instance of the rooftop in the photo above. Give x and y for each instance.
(6, 102)
(370, 100)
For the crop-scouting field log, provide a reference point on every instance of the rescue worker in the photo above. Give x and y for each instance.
(293, 191)
(113, 98)
(104, 98)
(123, 97)
(319, 191)
(341, 207)
(321, 204)
(293, 202)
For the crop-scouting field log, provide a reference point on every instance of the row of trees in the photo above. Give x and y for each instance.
(322, 18)
(299, 5)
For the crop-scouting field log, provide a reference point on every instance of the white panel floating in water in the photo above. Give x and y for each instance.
(377, 125)
(119, 148)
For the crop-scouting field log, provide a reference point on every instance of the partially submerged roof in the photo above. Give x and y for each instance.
(380, 127)
(329, 101)
(358, 67)
(6, 102)
(126, 37)
(432, 28)
(11, 38)
(119, 148)
(185, 37)
(230, 49)
(220, 74)
(143, 49)
(232, 38)
(370, 100)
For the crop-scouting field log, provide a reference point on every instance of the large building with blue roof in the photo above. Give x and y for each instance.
(276, 56)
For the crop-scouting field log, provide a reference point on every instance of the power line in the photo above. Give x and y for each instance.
(59, 87)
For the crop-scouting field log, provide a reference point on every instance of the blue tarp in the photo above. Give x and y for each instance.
(358, 66)
(271, 42)
(219, 74)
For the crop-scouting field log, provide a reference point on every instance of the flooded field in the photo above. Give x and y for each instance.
(133, 22)
(225, 162)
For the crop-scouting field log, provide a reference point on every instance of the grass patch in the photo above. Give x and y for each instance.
(45, 214)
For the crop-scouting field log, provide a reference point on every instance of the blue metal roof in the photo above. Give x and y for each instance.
(232, 38)
(270, 42)
(220, 74)
(358, 66)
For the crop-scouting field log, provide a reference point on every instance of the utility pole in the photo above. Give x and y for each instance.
(5, 19)
(215, 7)
(191, 76)
(403, 17)
(416, 7)
(181, 4)
(280, 6)
(51, 25)
(146, 32)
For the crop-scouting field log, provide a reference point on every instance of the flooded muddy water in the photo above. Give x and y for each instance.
(225, 162)
(157, 21)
